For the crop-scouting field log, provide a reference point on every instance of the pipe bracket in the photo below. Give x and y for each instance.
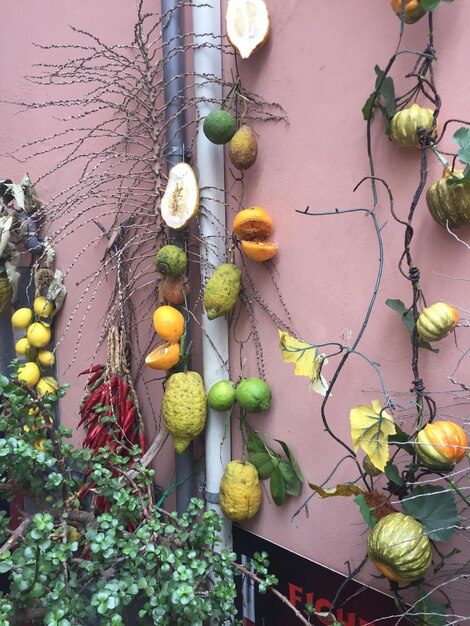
(213, 498)
(183, 154)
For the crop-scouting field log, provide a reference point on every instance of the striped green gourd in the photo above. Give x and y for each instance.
(399, 548)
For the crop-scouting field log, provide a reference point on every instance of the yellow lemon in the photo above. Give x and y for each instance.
(46, 358)
(29, 373)
(47, 385)
(42, 306)
(22, 318)
(39, 444)
(240, 491)
(184, 408)
(38, 334)
(22, 346)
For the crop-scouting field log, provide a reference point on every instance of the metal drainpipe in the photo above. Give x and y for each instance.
(173, 76)
(210, 157)
(7, 350)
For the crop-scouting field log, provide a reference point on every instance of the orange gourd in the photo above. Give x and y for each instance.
(441, 444)
(413, 10)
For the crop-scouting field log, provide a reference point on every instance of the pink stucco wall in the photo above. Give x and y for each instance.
(319, 65)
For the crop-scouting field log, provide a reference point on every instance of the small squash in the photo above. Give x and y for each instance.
(399, 548)
(449, 204)
(436, 321)
(441, 444)
(404, 125)
(413, 10)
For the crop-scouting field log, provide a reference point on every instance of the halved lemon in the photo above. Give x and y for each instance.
(164, 356)
(259, 250)
(247, 25)
(252, 224)
(180, 202)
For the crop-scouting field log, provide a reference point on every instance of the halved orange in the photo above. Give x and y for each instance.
(252, 224)
(164, 357)
(259, 250)
(168, 323)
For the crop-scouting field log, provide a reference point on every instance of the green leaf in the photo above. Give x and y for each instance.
(453, 181)
(367, 108)
(405, 312)
(278, 487)
(366, 511)
(387, 91)
(291, 480)
(263, 463)
(427, 346)
(428, 611)
(462, 137)
(383, 97)
(290, 455)
(392, 473)
(255, 443)
(435, 508)
(430, 5)
(400, 439)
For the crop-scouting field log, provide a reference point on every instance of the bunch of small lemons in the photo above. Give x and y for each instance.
(37, 323)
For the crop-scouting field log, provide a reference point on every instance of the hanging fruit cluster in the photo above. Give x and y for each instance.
(169, 324)
(253, 395)
(252, 227)
(35, 372)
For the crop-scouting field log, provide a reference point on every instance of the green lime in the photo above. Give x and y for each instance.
(219, 126)
(171, 260)
(221, 396)
(253, 395)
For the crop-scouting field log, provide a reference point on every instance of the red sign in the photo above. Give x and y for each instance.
(305, 582)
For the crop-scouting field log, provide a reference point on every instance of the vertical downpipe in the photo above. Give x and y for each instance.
(210, 159)
(173, 76)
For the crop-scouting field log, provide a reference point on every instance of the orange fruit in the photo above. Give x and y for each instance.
(164, 356)
(169, 323)
(252, 224)
(259, 250)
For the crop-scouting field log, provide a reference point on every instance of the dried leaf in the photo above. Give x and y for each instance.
(370, 428)
(5, 228)
(57, 291)
(379, 504)
(306, 359)
(339, 490)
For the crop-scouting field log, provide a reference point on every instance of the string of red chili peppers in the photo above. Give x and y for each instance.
(110, 410)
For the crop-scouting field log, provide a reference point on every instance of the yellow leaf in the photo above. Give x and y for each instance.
(339, 490)
(370, 429)
(306, 359)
